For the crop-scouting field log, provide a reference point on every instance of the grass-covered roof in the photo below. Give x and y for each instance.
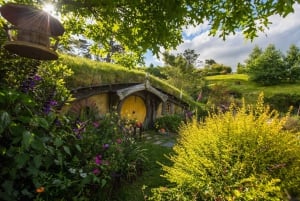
(94, 73)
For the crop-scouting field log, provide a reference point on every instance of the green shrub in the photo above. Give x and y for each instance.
(220, 97)
(282, 102)
(45, 155)
(243, 154)
(170, 123)
(36, 151)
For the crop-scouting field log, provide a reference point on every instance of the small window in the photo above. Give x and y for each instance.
(168, 108)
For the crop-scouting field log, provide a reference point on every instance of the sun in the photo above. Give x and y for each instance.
(49, 8)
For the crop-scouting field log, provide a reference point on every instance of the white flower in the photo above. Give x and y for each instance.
(83, 175)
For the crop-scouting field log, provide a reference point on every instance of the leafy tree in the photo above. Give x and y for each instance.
(292, 55)
(190, 56)
(143, 25)
(292, 60)
(183, 64)
(128, 59)
(256, 52)
(169, 59)
(215, 68)
(268, 68)
(77, 46)
(209, 62)
(156, 71)
(182, 74)
(241, 69)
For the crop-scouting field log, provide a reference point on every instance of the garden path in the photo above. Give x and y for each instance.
(167, 140)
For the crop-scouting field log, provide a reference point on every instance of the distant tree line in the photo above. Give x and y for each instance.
(213, 68)
(271, 66)
(183, 72)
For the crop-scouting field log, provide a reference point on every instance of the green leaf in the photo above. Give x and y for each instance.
(67, 150)
(4, 120)
(37, 145)
(7, 186)
(78, 147)
(26, 192)
(27, 139)
(17, 129)
(21, 159)
(86, 180)
(59, 160)
(32, 170)
(25, 119)
(43, 123)
(37, 161)
(38, 121)
(103, 182)
(58, 142)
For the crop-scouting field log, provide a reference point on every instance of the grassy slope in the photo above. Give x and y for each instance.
(250, 90)
(91, 73)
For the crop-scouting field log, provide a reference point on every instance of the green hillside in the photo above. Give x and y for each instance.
(250, 90)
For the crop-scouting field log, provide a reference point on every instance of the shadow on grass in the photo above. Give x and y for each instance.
(151, 176)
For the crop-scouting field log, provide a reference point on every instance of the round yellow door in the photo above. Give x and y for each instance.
(134, 107)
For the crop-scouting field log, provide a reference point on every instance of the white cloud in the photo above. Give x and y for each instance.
(191, 30)
(152, 59)
(282, 33)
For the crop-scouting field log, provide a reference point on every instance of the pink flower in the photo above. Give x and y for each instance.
(96, 171)
(98, 160)
(119, 140)
(96, 124)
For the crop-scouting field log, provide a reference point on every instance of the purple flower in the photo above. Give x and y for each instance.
(47, 109)
(79, 128)
(57, 122)
(105, 146)
(37, 78)
(96, 171)
(48, 105)
(98, 160)
(30, 83)
(52, 103)
(96, 124)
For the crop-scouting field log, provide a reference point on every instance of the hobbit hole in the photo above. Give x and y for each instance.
(135, 101)
(133, 107)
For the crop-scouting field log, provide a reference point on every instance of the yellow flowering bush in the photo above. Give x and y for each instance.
(242, 154)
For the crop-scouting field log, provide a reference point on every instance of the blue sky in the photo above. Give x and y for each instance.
(282, 33)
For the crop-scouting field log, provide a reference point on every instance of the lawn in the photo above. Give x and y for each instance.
(151, 177)
(249, 89)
